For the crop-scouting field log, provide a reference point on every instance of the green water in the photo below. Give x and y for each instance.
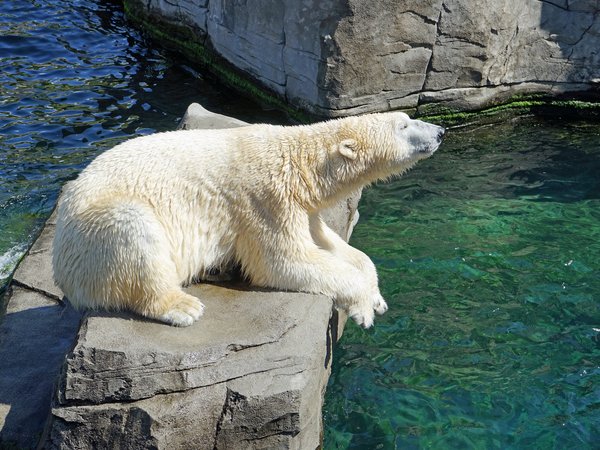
(489, 257)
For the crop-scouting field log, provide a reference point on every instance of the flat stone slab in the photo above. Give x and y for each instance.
(35, 270)
(242, 332)
(255, 367)
(35, 336)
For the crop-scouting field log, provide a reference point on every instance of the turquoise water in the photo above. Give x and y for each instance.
(489, 257)
(488, 252)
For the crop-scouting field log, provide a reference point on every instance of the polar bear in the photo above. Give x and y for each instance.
(157, 212)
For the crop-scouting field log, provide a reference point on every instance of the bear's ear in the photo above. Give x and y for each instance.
(347, 148)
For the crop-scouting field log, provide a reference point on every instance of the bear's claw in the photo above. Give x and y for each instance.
(379, 305)
(177, 319)
(362, 317)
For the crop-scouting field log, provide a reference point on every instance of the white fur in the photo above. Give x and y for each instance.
(159, 211)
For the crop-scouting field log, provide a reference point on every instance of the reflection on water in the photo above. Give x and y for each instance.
(488, 255)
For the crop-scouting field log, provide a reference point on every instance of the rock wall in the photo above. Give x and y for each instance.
(250, 374)
(338, 57)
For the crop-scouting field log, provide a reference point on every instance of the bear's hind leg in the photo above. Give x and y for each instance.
(132, 259)
(161, 296)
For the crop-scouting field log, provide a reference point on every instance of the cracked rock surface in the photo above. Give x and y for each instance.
(249, 374)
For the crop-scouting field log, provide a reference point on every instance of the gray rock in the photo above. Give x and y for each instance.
(255, 366)
(156, 359)
(197, 117)
(185, 420)
(338, 57)
(35, 336)
(35, 271)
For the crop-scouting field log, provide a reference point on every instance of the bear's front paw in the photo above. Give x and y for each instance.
(379, 304)
(362, 316)
(184, 311)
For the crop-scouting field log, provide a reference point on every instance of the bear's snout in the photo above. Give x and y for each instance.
(424, 138)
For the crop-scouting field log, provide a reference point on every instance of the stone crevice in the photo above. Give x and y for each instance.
(231, 403)
(266, 436)
(426, 19)
(59, 300)
(583, 34)
(111, 398)
(502, 61)
(438, 32)
(555, 5)
(240, 347)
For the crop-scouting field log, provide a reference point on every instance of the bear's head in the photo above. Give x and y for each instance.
(385, 144)
(415, 139)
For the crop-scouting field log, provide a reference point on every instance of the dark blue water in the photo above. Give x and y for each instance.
(75, 79)
(488, 252)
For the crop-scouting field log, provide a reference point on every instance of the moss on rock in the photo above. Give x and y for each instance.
(537, 104)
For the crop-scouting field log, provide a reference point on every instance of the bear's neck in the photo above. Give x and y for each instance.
(319, 177)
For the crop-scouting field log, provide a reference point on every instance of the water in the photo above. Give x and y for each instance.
(489, 256)
(488, 252)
